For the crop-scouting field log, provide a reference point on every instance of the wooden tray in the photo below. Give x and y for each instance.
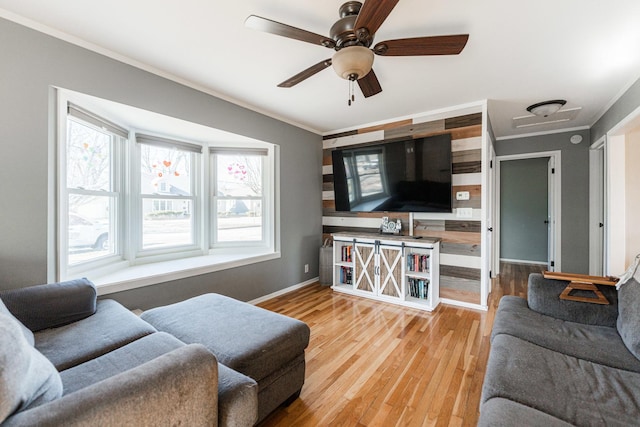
(582, 282)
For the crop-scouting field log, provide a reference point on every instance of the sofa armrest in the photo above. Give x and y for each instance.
(177, 388)
(52, 305)
(543, 296)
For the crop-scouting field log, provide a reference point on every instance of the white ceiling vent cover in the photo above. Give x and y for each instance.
(533, 120)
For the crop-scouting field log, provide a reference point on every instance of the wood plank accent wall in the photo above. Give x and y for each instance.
(460, 253)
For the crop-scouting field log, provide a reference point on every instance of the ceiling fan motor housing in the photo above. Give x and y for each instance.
(343, 31)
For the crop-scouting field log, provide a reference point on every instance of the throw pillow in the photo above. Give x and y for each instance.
(631, 271)
(628, 323)
(25, 331)
(27, 378)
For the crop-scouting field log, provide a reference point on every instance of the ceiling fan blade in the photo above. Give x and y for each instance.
(435, 45)
(284, 30)
(373, 13)
(369, 85)
(303, 75)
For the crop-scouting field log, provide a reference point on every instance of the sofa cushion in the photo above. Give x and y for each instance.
(599, 344)
(237, 393)
(55, 304)
(573, 390)
(27, 378)
(499, 412)
(25, 331)
(111, 327)
(249, 339)
(629, 315)
(119, 360)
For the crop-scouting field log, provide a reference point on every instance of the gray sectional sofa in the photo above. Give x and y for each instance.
(557, 363)
(67, 358)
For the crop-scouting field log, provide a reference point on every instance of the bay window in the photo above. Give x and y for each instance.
(129, 199)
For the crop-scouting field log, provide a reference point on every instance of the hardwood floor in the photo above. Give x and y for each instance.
(377, 364)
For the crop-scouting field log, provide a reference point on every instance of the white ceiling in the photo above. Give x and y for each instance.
(519, 53)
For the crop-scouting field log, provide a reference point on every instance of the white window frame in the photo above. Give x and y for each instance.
(117, 191)
(267, 198)
(131, 267)
(140, 254)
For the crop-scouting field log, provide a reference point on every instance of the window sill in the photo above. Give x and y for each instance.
(159, 272)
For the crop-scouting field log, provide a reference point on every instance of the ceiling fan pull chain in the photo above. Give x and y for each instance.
(352, 96)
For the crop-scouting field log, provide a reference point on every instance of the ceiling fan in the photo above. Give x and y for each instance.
(351, 37)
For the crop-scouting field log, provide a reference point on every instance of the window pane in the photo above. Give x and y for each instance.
(166, 223)
(239, 175)
(165, 171)
(368, 170)
(91, 221)
(239, 220)
(88, 157)
(347, 167)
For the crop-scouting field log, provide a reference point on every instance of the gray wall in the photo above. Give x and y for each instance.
(523, 209)
(574, 189)
(624, 106)
(33, 62)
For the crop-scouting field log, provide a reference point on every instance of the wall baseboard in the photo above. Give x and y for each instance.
(284, 291)
(463, 304)
(523, 261)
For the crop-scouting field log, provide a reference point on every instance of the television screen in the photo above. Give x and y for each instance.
(413, 175)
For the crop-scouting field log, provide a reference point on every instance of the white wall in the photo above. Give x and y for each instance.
(632, 195)
(617, 205)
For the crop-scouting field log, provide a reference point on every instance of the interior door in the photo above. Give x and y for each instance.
(551, 220)
(492, 267)
(597, 210)
(524, 210)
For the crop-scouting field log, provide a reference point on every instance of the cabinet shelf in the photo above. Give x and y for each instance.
(418, 275)
(343, 264)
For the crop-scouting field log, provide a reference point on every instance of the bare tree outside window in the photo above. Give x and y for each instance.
(91, 200)
(239, 194)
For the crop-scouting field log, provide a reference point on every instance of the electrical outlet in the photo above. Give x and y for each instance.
(464, 213)
(306, 268)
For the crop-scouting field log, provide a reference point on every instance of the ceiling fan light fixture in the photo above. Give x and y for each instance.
(546, 108)
(352, 61)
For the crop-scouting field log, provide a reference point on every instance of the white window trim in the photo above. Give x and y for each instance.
(137, 199)
(267, 198)
(125, 271)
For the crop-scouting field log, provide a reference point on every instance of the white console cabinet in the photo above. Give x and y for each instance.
(397, 269)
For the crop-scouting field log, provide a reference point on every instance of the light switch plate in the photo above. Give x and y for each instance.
(464, 213)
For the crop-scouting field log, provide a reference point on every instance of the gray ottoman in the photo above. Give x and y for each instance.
(258, 343)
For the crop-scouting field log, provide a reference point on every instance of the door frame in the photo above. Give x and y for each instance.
(555, 199)
(597, 207)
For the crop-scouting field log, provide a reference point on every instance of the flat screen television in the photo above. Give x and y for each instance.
(412, 175)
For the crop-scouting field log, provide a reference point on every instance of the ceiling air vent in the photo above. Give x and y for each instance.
(533, 120)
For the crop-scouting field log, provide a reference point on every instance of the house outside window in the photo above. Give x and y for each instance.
(238, 195)
(168, 192)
